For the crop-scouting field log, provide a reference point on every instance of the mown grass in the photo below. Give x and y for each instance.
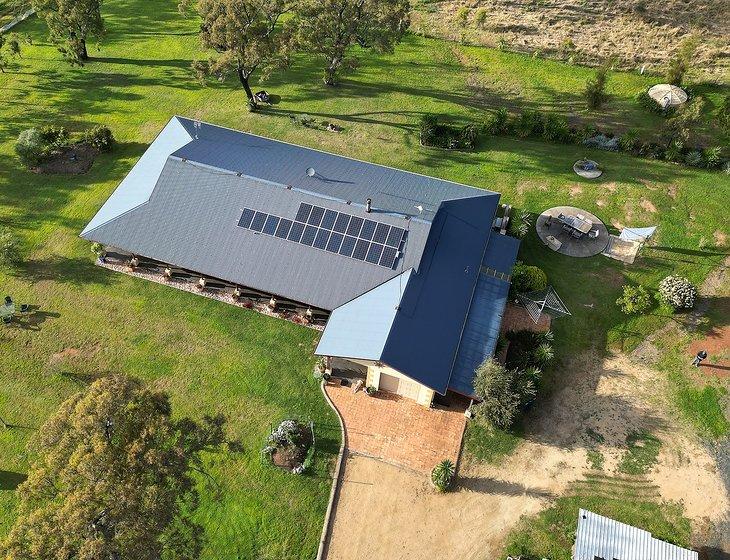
(488, 444)
(641, 453)
(213, 358)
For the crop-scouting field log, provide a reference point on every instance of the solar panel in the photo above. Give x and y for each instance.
(368, 229)
(348, 245)
(272, 222)
(373, 256)
(355, 225)
(246, 217)
(335, 241)
(395, 237)
(308, 236)
(381, 233)
(335, 232)
(296, 232)
(323, 236)
(328, 221)
(316, 216)
(341, 223)
(388, 258)
(361, 250)
(258, 221)
(303, 213)
(283, 229)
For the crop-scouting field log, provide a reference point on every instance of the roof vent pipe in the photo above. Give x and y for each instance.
(368, 205)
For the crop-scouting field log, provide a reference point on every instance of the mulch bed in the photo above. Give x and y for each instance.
(293, 456)
(73, 160)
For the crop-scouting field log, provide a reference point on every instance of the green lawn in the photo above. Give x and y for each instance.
(215, 358)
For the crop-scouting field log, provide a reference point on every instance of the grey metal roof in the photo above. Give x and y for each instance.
(191, 221)
(602, 537)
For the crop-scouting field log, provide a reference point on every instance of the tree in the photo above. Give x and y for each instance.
(682, 125)
(527, 278)
(330, 28)
(595, 92)
(71, 23)
(502, 392)
(113, 479)
(677, 292)
(246, 36)
(9, 47)
(681, 61)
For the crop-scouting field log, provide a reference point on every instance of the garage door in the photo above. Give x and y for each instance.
(389, 383)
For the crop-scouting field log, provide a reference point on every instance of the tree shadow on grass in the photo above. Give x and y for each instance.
(76, 271)
(488, 485)
(11, 480)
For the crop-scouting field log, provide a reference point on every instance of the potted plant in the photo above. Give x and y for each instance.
(370, 390)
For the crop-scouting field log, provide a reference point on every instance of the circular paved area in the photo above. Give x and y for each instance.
(550, 230)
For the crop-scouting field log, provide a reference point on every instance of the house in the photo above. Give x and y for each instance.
(406, 269)
(602, 538)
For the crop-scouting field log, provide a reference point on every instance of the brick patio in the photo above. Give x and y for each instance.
(397, 430)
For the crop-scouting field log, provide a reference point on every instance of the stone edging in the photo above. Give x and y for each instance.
(334, 492)
(8, 26)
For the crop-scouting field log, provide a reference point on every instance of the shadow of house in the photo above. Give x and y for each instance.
(11, 480)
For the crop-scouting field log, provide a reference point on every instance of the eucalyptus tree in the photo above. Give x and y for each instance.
(71, 24)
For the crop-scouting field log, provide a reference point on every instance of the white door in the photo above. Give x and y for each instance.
(389, 383)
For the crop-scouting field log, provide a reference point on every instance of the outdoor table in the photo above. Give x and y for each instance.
(581, 225)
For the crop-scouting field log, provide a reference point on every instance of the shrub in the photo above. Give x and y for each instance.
(595, 91)
(629, 140)
(30, 147)
(480, 17)
(723, 114)
(462, 16)
(442, 475)
(713, 157)
(55, 136)
(543, 354)
(519, 224)
(100, 137)
(502, 393)
(678, 292)
(694, 158)
(602, 142)
(651, 150)
(529, 123)
(634, 300)
(9, 247)
(468, 136)
(498, 122)
(97, 249)
(675, 151)
(555, 128)
(681, 61)
(527, 278)
(643, 99)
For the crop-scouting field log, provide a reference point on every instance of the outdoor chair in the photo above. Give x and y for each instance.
(549, 221)
(566, 227)
(577, 234)
(24, 308)
(593, 234)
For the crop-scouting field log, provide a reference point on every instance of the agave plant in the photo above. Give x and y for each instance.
(442, 475)
(543, 354)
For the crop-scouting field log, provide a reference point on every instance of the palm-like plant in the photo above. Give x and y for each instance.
(543, 354)
(442, 475)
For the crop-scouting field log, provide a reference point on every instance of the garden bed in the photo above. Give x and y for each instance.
(71, 160)
(291, 446)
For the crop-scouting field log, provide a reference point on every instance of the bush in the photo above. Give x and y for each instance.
(519, 224)
(629, 140)
(468, 136)
(677, 292)
(480, 17)
(602, 142)
(556, 129)
(497, 122)
(462, 16)
(30, 147)
(634, 300)
(675, 151)
(694, 158)
(428, 128)
(595, 91)
(502, 393)
(9, 248)
(713, 157)
(643, 99)
(527, 278)
(651, 150)
(681, 61)
(442, 475)
(100, 137)
(55, 136)
(723, 114)
(529, 123)
(433, 133)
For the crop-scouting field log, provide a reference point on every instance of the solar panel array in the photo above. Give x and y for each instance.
(329, 230)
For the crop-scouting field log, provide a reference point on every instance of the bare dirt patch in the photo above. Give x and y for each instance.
(647, 205)
(73, 160)
(65, 354)
(720, 238)
(601, 203)
(575, 190)
(386, 512)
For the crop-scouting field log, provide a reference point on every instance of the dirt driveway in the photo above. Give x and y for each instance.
(386, 512)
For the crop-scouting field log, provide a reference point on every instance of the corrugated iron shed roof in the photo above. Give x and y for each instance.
(601, 537)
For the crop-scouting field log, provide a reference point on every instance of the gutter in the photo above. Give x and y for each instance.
(15, 21)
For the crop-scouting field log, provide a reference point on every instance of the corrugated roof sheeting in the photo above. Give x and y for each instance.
(360, 328)
(427, 328)
(602, 537)
(391, 190)
(137, 186)
(191, 221)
